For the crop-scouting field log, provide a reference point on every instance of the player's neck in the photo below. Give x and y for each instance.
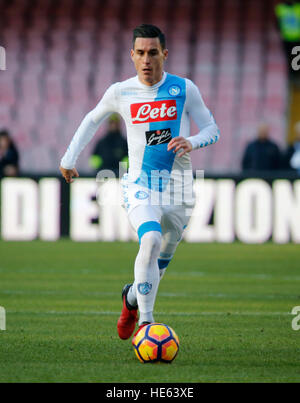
(153, 82)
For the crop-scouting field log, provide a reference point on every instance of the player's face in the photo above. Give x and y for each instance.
(148, 58)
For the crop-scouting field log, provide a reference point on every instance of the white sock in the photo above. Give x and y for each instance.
(146, 274)
(146, 317)
(131, 296)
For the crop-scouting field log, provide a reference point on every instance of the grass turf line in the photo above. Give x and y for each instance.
(229, 304)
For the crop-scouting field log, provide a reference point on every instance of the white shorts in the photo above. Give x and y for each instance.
(145, 205)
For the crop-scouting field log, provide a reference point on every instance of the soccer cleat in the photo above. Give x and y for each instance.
(128, 318)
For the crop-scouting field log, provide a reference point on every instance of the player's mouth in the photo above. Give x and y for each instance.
(147, 70)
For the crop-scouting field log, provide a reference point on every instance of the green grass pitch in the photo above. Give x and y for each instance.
(229, 304)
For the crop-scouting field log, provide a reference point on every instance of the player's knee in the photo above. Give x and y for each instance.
(150, 245)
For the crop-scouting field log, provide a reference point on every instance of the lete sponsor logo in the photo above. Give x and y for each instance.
(156, 111)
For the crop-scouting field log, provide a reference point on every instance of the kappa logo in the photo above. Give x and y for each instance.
(126, 92)
(144, 288)
(156, 111)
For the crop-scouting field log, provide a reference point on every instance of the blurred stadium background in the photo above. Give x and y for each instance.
(61, 55)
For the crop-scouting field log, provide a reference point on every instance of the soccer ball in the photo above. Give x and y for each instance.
(156, 342)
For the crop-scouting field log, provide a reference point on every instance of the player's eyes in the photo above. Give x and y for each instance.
(151, 53)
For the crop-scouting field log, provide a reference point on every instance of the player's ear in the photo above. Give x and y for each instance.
(131, 54)
(165, 52)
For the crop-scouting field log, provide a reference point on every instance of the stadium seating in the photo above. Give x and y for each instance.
(62, 55)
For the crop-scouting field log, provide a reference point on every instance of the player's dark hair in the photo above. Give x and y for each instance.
(149, 31)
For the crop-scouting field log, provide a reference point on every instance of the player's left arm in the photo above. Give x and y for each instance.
(209, 132)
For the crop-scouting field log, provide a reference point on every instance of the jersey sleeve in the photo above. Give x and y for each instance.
(209, 132)
(89, 126)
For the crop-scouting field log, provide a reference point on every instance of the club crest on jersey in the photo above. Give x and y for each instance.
(156, 111)
(154, 137)
(144, 288)
(174, 90)
(141, 195)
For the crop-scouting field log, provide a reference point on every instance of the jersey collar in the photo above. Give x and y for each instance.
(153, 87)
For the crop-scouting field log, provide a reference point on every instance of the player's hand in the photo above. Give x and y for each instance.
(68, 174)
(180, 143)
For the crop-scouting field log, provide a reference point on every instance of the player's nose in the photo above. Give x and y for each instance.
(146, 59)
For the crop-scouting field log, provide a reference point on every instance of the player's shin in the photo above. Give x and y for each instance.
(146, 273)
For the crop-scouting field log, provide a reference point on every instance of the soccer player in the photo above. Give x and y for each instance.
(156, 107)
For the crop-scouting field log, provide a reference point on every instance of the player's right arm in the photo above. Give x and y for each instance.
(86, 131)
(68, 174)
